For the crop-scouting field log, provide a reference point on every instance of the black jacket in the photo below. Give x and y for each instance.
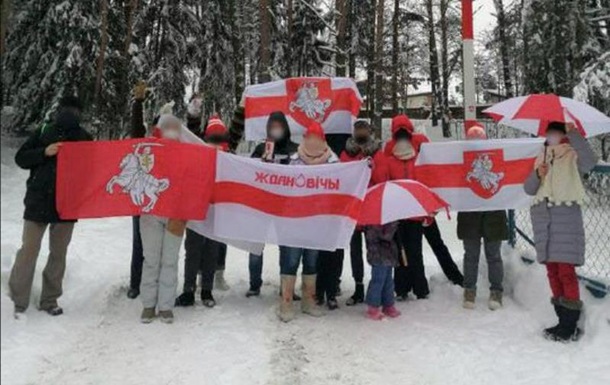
(40, 195)
(284, 147)
(489, 225)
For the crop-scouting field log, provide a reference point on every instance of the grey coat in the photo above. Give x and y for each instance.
(559, 233)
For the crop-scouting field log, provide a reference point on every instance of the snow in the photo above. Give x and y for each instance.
(99, 340)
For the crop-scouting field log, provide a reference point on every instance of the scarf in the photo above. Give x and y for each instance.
(369, 148)
(403, 150)
(562, 184)
(316, 155)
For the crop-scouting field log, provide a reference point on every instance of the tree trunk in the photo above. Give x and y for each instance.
(351, 57)
(444, 100)
(265, 33)
(340, 25)
(379, 70)
(5, 9)
(395, 47)
(99, 70)
(236, 13)
(508, 86)
(370, 71)
(434, 71)
(290, 26)
(124, 86)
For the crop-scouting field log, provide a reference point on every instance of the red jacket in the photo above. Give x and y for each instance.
(403, 169)
(379, 171)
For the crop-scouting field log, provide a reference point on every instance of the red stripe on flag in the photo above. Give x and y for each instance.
(287, 206)
(454, 175)
(344, 99)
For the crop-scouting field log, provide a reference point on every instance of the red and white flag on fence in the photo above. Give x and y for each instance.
(479, 175)
(332, 102)
(302, 206)
(133, 177)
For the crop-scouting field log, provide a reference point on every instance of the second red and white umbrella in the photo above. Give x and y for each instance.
(399, 199)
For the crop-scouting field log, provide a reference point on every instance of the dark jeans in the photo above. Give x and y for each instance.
(202, 254)
(413, 276)
(355, 253)
(329, 273)
(290, 259)
(255, 266)
(222, 257)
(381, 287)
(443, 256)
(137, 256)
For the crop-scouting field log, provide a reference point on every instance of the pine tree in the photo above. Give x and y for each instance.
(50, 52)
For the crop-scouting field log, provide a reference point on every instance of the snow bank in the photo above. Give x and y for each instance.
(100, 341)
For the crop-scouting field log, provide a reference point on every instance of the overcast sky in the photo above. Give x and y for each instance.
(484, 18)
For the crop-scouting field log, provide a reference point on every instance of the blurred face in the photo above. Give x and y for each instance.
(361, 135)
(314, 144)
(276, 131)
(171, 130)
(554, 137)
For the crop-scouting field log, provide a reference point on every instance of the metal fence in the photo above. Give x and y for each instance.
(596, 215)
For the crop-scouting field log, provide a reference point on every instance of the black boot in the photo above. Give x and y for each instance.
(186, 299)
(133, 293)
(207, 298)
(549, 332)
(358, 296)
(567, 329)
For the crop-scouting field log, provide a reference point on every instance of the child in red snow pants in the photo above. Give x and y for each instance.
(563, 280)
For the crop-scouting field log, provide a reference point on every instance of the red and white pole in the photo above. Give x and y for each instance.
(470, 107)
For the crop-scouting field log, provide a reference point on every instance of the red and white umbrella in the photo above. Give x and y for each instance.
(533, 113)
(399, 199)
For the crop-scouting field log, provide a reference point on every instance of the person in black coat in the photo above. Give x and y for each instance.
(39, 155)
(278, 133)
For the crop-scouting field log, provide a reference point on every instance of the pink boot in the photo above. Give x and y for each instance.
(391, 311)
(374, 313)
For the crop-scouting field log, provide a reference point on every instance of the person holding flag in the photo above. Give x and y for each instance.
(559, 235)
(278, 148)
(39, 155)
(400, 153)
(161, 241)
(491, 226)
(312, 151)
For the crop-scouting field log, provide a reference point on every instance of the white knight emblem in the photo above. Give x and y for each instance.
(308, 101)
(135, 178)
(481, 172)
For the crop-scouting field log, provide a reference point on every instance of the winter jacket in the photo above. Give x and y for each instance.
(40, 194)
(490, 225)
(354, 152)
(295, 159)
(402, 169)
(283, 148)
(382, 250)
(559, 233)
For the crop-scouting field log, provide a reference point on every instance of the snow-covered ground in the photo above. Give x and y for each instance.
(99, 340)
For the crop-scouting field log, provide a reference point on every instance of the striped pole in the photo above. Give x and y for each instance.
(470, 108)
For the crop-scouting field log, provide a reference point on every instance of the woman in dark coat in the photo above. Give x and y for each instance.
(556, 184)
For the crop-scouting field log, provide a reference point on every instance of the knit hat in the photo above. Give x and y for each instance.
(215, 127)
(556, 126)
(402, 122)
(315, 129)
(476, 132)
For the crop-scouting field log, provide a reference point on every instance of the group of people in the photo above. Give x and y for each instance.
(394, 250)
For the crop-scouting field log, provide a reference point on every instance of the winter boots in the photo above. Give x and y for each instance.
(391, 311)
(286, 312)
(358, 296)
(219, 281)
(568, 312)
(166, 316)
(148, 315)
(469, 297)
(207, 299)
(133, 293)
(186, 299)
(308, 303)
(495, 300)
(374, 313)
(253, 292)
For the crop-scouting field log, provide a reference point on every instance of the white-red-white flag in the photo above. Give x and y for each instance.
(332, 102)
(314, 207)
(479, 175)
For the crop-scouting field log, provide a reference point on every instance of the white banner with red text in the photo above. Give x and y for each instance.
(255, 203)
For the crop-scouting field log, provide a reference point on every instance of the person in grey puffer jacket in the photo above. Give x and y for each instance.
(557, 220)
